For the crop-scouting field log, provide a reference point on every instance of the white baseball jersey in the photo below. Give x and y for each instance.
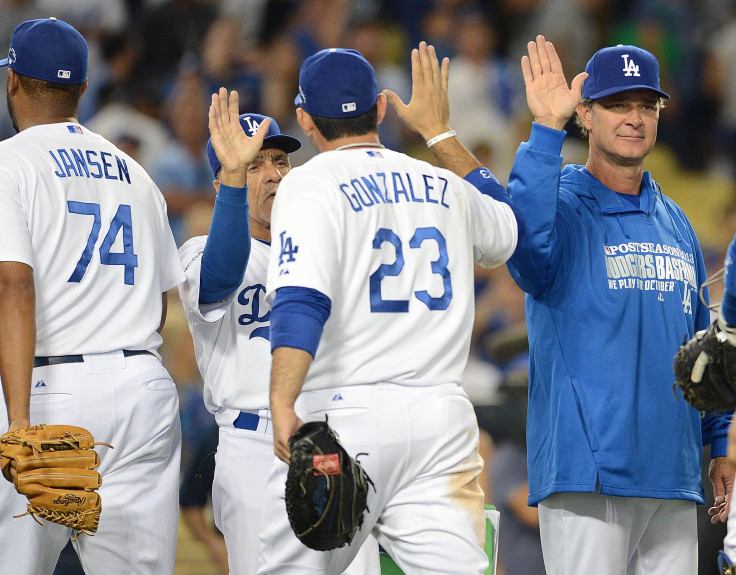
(231, 337)
(92, 225)
(391, 241)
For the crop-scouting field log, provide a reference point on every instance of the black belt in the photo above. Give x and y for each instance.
(57, 359)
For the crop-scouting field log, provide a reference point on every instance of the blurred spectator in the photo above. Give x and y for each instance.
(195, 496)
(487, 106)
(499, 331)
(116, 83)
(119, 120)
(13, 13)
(250, 15)
(719, 81)
(519, 545)
(372, 38)
(181, 170)
(95, 19)
(227, 61)
(170, 30)
(574, 26)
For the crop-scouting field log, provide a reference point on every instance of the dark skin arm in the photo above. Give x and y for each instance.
(17, 339)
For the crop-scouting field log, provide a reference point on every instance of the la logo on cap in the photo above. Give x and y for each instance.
(252, 125)
(630, 67)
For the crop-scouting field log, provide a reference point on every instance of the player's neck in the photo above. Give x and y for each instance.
(351, 142)
(31, 121)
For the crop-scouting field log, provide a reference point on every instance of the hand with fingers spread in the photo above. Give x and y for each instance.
(550, 100)
(428, 111)
(234, 149)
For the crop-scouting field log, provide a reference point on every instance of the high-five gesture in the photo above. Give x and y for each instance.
(428, 111)
(550, 100)
(234, 149)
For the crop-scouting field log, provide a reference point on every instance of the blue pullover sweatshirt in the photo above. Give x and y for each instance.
(612, 291)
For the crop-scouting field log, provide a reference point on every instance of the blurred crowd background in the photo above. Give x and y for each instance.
(155, 63)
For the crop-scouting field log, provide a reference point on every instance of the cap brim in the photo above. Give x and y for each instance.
(612, 91)
(4, 62)
(283, 142)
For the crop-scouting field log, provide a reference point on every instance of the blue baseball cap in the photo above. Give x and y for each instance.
(620, 68)
(48, 49)
(274, 138)
(337, 83)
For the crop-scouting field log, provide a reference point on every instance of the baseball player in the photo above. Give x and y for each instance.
(86, 258)
(727, 324)
(372, 280)
(611, 267)
(229, 317)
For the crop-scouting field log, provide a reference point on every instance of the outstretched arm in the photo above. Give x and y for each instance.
(428, 111)
(550, 100)
(227, 251)
(234, 149)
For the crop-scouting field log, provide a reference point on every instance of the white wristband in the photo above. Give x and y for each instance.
(441, 137)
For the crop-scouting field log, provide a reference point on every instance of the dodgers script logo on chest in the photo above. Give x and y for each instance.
(251, 298)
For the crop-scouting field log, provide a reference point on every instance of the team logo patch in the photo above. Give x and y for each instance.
(252, 125)
(630, 67)
(11, 56)
(327, 464)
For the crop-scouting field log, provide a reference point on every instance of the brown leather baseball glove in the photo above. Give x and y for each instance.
(54, 468)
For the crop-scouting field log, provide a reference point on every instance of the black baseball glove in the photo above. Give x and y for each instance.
(326, 489)
(705, 368)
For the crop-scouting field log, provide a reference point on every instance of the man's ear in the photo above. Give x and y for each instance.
(305, 122)
(13, 83)
(585, 112)
(381, 106)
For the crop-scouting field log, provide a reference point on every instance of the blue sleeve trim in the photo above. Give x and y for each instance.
(227, 249)
(546, 139)
(719, 447)
(488, 185)
(486, 182)
(298, 318)
(714, 428)
(728, 308)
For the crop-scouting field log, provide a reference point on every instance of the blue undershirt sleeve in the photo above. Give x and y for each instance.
(488, 185)
(227, 249)
(298, 317)
(714, 427)
(728, 304)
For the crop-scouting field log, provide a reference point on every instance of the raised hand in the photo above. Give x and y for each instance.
(428, 111)
(234, 149)
(550, 100)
